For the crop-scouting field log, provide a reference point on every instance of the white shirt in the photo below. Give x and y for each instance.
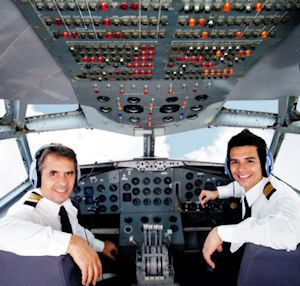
(274, 222)
(36, 230)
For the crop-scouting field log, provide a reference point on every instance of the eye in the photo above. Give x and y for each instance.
(70, 174)
(53, 173)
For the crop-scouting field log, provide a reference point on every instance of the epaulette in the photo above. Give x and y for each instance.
(269, 190)
(33, 199)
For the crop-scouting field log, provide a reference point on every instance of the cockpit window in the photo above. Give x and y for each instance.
(254, 105)
(2, 108)
(287, 163)
(206, 145)
(40, 109)
(91, 145)
(12, 168)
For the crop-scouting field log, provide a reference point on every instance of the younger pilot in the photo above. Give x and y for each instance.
(271, 210)
(44, 221)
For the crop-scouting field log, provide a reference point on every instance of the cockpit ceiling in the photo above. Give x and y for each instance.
(148, 65)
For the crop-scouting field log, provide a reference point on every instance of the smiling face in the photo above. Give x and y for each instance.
(245, 166)
(58, 176)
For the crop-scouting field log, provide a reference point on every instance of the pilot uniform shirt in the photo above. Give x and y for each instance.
(35, 229)
(274, 221)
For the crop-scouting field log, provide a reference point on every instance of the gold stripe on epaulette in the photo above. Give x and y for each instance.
(33, 199)
(268, 190)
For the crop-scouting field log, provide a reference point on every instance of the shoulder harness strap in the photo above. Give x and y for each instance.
(33, 199)
(269, 190)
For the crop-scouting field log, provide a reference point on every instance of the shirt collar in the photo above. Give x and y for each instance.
(256, 191)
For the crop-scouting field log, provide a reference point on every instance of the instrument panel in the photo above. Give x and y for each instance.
(152, 194)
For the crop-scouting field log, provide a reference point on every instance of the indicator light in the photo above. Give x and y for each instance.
(118, 35)
(109, 35)
(191, 22)
(58, 21)
(258, 7)
(227, 7)
(124, 6)
(201, 22)
(103, 6)
(264, 34)
(248, 53)
(238, 35)
(204, 35)
(106, 22)
(134, 6)
(65, 35)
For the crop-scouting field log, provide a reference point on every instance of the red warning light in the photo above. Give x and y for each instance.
(106, 22)
(103, 6)
(58, 21)
(74, 35)
(123, 6)
(109, 35)
(65, 35)
(134, 6)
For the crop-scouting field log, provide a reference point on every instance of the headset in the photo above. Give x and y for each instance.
(268, 165)
(34, 173)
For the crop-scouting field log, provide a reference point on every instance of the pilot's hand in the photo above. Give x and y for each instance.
(87, 260)
(206, 196)
(110, 250)
(212, 243)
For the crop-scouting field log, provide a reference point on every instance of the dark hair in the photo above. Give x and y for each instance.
(57, 149)
(247, 138)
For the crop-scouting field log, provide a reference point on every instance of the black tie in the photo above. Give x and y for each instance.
(64, 220)
(247, 209)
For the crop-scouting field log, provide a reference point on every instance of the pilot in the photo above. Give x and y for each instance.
(44, 221)
(271, 210)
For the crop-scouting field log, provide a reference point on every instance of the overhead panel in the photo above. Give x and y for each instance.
(155, 64)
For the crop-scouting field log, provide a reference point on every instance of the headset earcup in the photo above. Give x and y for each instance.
(78, 175)
(269, 162)
(33, 178)
(226, 168)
